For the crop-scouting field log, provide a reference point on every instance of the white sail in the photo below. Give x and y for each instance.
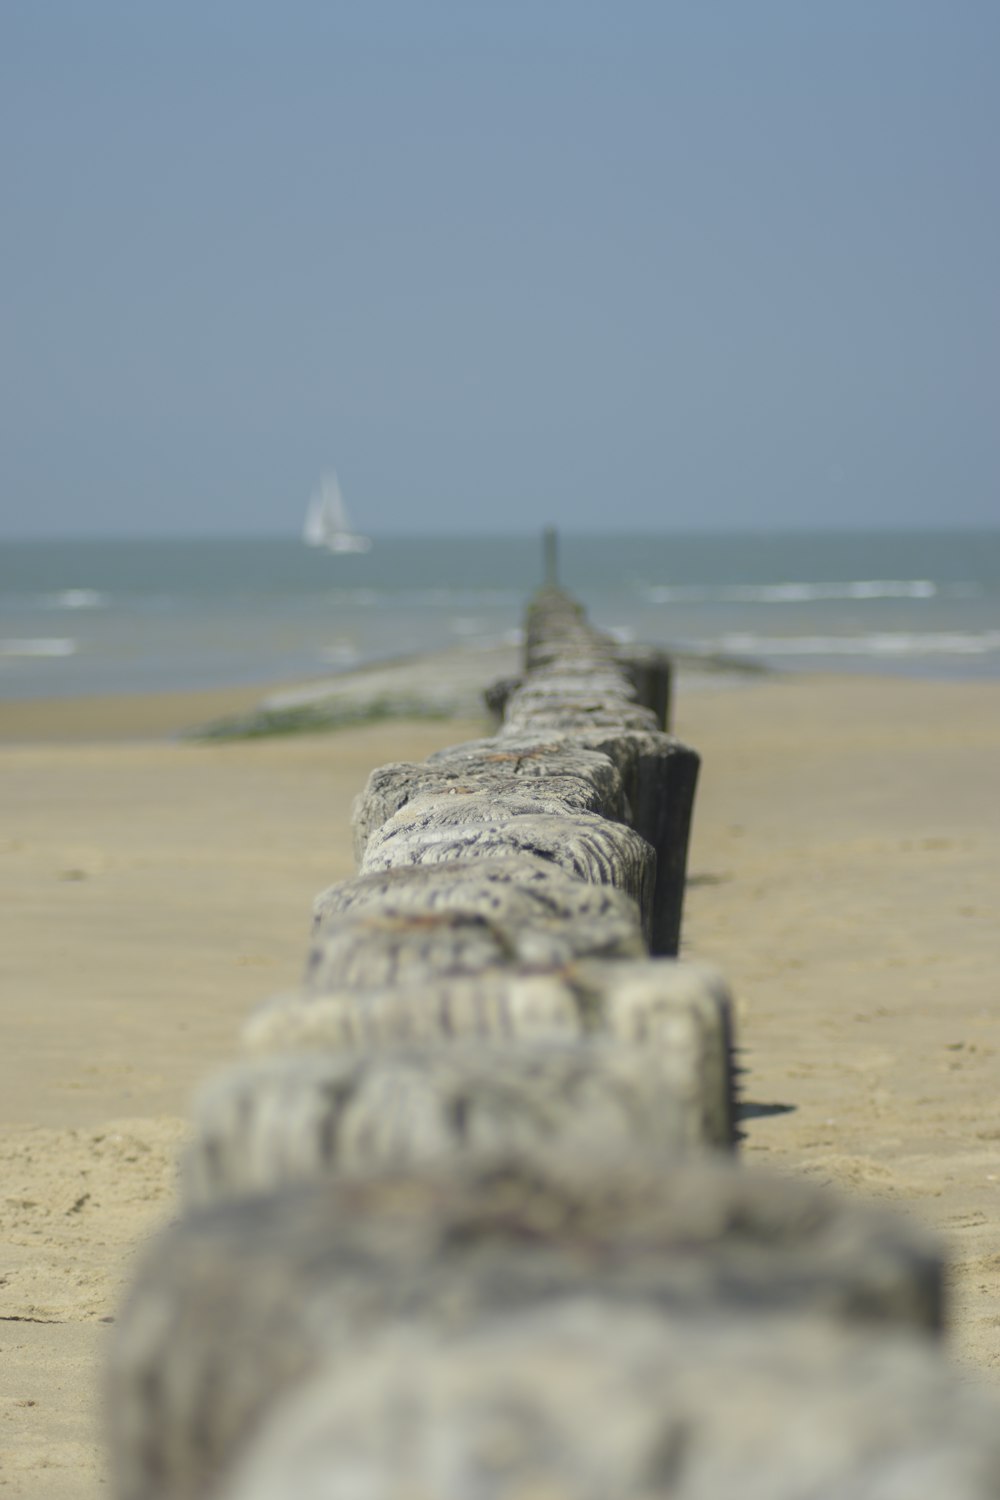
(313, 530)
(327, 522)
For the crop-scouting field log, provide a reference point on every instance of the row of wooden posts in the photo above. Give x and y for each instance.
(468, 1222)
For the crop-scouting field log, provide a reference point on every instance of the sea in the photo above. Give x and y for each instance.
(93, 617)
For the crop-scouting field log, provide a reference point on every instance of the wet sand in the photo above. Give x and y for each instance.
(845, 871)
(130, 717)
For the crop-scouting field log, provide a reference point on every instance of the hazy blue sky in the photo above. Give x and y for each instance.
(684, 263)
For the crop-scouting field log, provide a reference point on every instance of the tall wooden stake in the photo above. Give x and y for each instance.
(550, 545)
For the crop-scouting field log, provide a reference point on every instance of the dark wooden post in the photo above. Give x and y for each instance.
(550, 546)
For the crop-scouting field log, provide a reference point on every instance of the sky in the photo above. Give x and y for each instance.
(646, 266)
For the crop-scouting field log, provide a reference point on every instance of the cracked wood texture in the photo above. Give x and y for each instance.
(679, 1013)
(578, 780)
(659, 776)
(538, 916)
(648, 671)
(367, 949)
(480, 826)
(287, 1118)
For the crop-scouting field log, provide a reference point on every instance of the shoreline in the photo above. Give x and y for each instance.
(181, 716)
(443, 684)
(454, 679)
(110, 718)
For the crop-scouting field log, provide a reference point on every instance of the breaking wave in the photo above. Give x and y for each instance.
(76, 599)
(882, 644)
(38, 646)
(806, 593)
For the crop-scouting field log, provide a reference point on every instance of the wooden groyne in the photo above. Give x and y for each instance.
(467, 1219)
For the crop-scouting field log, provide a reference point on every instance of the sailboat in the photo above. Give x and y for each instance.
(327, 522)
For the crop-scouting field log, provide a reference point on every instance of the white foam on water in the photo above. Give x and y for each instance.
(340, 654)
(807, 593)
(460, 597)
(623, 634)
(76, 599)
(881, 644)
(466, 626)
(38, 646)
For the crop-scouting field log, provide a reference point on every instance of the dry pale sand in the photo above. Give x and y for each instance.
(845, 875)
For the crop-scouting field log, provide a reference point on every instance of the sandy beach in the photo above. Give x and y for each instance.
(844, 875)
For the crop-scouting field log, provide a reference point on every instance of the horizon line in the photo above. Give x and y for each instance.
(532, 534)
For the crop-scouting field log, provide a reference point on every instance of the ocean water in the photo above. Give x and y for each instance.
(89, 617)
